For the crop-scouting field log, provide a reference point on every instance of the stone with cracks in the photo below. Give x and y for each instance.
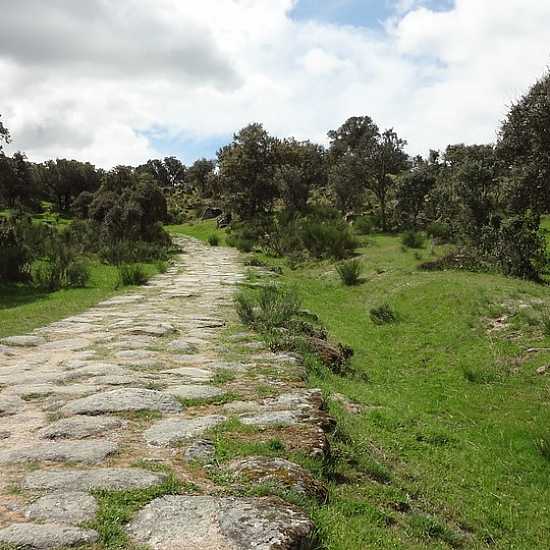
(195, 391)
(279, 472)
(171, 431)
(123, 400)
(10, 405)
(72, 344)
(23, 341)
(70, 508)
(201, 450)
(215, 523)
(49, 536)
(108, 479)
(79, 427)
(88, 452)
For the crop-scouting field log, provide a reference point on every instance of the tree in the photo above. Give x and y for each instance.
(247, 169)
(355, 134)
(4, 135)
(169, 173)
(524, 146)
(16, 181)
(198, 176)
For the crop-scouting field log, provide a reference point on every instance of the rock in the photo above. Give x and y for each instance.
(542, 370)
(333, 356)
(348, 405)
(50, 536)
(271, 418)
(123, 400)
(152, 330)
(108, 479)
(183, 346)
(89, 452)
(23, 341)
(10, 405)
(171, 431)
(68, 508)
(210, 213)
(279, 472)
(191, 373)
(44, 390)
(5, 434)
(5, 350)
(136, 355)
(73, 344)
(79, 427)
(194, 391)
(211, 523)
(201, 450)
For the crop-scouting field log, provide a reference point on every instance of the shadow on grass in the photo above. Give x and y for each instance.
(15, 295)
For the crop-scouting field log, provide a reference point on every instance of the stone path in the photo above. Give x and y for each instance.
(148, 385)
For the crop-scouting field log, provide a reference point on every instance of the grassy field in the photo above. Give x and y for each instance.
(24, 308)
(452, 447)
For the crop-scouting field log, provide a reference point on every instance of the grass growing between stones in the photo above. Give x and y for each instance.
(24, 308)
(117, 508)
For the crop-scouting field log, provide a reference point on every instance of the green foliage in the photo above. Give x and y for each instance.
(439, 230)
(363, 225)
(413, 239)
(383, 315)
(328, 239)
(545, 321)
(213, 240)
(350, 272)
(131, 275)
(543, 446)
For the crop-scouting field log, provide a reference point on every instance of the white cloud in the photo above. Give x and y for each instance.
(89, 79)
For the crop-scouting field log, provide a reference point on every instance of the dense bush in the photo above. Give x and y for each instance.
(213, 240)
(15, 252)
(131, 275)
(413, 239)
(350, 272)
(364, 225)
(328, 240)
(384, 314)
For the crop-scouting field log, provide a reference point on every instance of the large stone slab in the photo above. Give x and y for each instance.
(50, 536)
(79, 427)
(72, 344)
(109, 479)
(211, 523)
(89, 452)
(194, 391)
(157, 330)
(70, 508)
(191, 373)
(10, 405)
(123, 400)
(171, 431)
(27, 341)
(44, 390)
(279, 472)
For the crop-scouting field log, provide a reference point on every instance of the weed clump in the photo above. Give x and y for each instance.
(131, 275)
(413, 239)
(213, 240)
(350, 272)
(383, 315)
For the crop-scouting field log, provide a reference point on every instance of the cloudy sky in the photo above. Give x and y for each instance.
(122, 81)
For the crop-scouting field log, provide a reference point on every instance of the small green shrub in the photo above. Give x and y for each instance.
(350, 272)
(543, 446)
(131, 275)
(162, 266)
(328, 240)
(213, 240)
(242, 244)
(440, 231)
(244, 304)
(413, 239)
(383, 315)
(77, 274)
(363, 225)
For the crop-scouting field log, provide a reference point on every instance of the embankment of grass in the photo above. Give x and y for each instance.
(199, 230)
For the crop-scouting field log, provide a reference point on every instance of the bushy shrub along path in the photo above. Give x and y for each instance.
(153, 419)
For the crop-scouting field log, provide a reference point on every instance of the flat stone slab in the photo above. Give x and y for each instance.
(109, 479)
(215, 523)
(194, 391)
(123, 400)
(80, 427)
(171, 431)
(279, 472)
(50, 536)
(201, 450)
(72, 344)
(186, 346)
(191, 373)
(43, 390)
(70, 508)
(136, 355)
(27, 341)
(10, 405)
(157, 330)
(88, 452)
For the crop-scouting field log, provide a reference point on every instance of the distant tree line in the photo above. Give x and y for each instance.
(299, 198)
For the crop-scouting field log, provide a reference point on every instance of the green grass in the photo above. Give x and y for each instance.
(24, 308)
(201, 230)
(448, 451)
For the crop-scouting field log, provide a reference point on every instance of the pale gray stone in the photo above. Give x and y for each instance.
(215, 523)
(44, 390)
(80, 427)
(88, 452)
(26, 341)
(72, 344)
(194, 391)
(70, 508)
(10, 405)
(123, 400)
(152, 330)
(183, 346)
(135, 355)
(201, 450)
(192, 373)
(271, 418)
(109, 479)
(173, 430)
(50, 536)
